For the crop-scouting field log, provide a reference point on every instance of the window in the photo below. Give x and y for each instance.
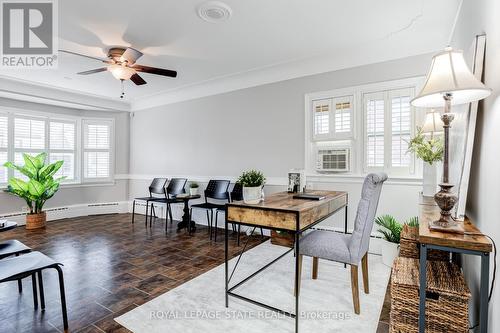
(4, 145)
(333, 118)
(388, 128)
(85, 145)
(62, 147)
(96, 149)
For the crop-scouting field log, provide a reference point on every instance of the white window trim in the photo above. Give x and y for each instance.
(99, 121)
(357, 140)
(78, 181)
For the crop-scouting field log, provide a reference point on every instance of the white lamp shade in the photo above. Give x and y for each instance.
(433, 123)
(449, 74)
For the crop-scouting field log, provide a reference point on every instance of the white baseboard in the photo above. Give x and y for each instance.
(57, 213)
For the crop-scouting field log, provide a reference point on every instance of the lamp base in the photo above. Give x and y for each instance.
(446, 200)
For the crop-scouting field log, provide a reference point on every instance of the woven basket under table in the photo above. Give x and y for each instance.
(447, 303)
(409, 246)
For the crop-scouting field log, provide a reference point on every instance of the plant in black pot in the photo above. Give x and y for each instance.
(252, 181)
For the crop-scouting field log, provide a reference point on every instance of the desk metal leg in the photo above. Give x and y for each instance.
(423, 287)
(297, 277)
(226, 266)
(345, 227)
(483, 298)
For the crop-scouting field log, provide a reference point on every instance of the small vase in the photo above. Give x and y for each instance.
(36, 221)
(252, 195)
(430, 179)
(390, 251)
(193, 190)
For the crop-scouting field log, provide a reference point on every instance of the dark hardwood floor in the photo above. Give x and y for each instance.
(110, 267)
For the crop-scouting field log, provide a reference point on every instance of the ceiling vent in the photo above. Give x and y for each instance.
(214, 11)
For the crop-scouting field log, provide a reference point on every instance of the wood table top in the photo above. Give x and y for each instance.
(282, 211)
(284, 201)
(429, 211)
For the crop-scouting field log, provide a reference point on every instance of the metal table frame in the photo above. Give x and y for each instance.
(484, 289)
(229, 291)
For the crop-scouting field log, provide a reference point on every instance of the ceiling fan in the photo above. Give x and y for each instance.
(121, 62)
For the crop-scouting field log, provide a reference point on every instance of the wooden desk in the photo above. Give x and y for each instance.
(473, 242)
(281, 212)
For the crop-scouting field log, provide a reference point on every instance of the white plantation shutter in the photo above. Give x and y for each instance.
(4, 145)
(343, 115)
(375, 129)
(29, 134)
(401, 127)
(62, 139)
(97, 149)
(321, 112)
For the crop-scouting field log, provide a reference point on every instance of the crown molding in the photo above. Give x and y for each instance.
(28, 91)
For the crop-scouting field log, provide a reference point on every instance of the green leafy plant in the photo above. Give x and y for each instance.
(428, 150)
(41, 185)
(251, 178)
(194, 185)
(412, 221)
(391, 229)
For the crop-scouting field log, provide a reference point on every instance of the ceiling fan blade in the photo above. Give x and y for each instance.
(154, 70)
(137, 79)
(93, 71)
(104, 60)
(131, 55)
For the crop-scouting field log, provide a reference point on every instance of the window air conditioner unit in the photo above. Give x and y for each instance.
(332, 159)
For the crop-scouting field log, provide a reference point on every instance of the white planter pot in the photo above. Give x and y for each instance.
(430, 181)
(390, 251)
(193, 190)
(252, 195)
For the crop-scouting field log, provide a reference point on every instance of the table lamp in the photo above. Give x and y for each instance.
(449, 82)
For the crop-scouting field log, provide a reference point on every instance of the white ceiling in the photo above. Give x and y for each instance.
(263, 41)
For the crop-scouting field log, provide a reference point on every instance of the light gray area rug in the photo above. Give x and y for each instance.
(325, 303)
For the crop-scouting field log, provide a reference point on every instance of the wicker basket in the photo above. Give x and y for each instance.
(409, 246)
(447, 303)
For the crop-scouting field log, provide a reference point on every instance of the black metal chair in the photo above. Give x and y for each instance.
(12, 269)
(216, 190)
(175, 187)
(236, 194)
(13, 248)
(157, 188)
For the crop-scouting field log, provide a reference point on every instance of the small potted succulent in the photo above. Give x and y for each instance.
(40, 186)
(252, 181)
(391, 230)
(193, 188)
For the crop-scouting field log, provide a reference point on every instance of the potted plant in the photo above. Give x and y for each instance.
(252, 182)
(193, 188)
(391, 230)
(430, 151)
(40, 186)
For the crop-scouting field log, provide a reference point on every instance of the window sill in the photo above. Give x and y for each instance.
(76, 185)
(359, 178)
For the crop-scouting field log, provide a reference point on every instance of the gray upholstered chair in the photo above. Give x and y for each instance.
(348, 249)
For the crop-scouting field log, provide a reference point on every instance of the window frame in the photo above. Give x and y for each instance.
(332, 100)
(78, 180)
(7, 149)
(111, 150)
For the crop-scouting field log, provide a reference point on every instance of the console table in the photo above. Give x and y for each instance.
(280, 212)
(473, 242)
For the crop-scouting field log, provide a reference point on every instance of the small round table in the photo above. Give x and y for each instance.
(186, 219)
(8, 225)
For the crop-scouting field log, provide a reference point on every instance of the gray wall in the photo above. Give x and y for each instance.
(260, 127)
(80, 194)
(484, 190)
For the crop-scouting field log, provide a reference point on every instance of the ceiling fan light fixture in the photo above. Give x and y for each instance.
(214, 11)
(121, 72)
